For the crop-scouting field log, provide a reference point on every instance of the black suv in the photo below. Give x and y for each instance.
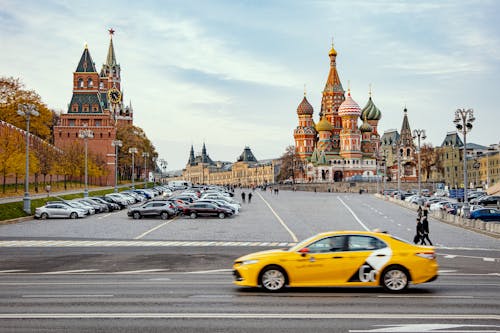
(152, 208)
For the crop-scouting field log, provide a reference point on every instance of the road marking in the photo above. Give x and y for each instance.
(489, 259)
(156, 315)
(64, 296)
(103, 216)
(141, 271)
(423, 296)
(295, 239)
(223, 270)
(428, 328)
(13, 271)
(450, 256)
(355, 216)
(447, 271)
(71, 272)
(157, 227)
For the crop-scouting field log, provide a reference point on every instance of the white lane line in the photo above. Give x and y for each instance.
(489, 259)
(103, 216)
(223, 270)
(450, 256)
(71, 272)
(13, 271)
(155, 228)
(423, 296)
(357, 316)
(295, 239)
(64, 296)
(353, 214)
(141, 271)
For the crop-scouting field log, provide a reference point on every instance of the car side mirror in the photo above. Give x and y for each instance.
(304, 251)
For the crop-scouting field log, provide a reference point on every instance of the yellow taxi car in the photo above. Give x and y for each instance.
(341, 258)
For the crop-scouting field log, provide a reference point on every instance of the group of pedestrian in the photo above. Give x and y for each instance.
(422, 234)
(243, 197)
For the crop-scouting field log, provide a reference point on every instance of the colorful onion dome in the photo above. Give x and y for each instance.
(370, 111)
(349, 107)
(365, 127)
(332, 52)
(304, 107)
(323, 125)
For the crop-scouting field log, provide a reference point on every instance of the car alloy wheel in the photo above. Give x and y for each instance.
(193, 215)
(272, 278)
(73, 215)
(164, 216)
(44, 216)
(222, 215)
(136, 215)
(395, 279)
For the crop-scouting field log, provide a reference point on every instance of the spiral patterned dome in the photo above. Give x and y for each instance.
(370, 111)
(365, 127)
(349, 107)
(304, 107)
(324, 125)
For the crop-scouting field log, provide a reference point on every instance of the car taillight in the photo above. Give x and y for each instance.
(427, 255)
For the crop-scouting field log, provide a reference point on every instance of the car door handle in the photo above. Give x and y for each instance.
(337, 257)
(380, 255)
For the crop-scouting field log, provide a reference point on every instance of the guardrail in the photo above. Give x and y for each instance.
(489, 228)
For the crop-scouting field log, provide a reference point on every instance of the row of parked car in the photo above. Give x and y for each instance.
(192, 202)
(81, 207)
(482, 207)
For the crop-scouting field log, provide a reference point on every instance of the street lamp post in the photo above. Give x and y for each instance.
(419, 134)
(27, 110)
(86, 134)
(133, 151)
(145, 156)
(117, 144)
(463, 122)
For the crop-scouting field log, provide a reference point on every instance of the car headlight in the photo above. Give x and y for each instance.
(249, 262)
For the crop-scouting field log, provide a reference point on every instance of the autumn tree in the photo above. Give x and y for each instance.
(291, 165)
(12, 94)
(430, 159)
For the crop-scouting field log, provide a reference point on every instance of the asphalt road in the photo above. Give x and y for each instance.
(109, 273)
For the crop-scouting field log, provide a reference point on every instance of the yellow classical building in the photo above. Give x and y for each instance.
(246, 171)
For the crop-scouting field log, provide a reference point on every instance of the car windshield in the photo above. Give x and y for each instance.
(301, 244)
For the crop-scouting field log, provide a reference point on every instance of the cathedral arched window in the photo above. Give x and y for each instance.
(80, 82)
(408, 152)
(90, 83)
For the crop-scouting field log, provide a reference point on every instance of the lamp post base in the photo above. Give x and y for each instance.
(27, 204)
(86, 193)
(466, 210)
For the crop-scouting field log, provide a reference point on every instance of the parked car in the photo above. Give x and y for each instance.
(153, 209)
(221, 203)
(489, 201)
(111, 205)
(119, 199)
(486, 214)
(58, 210)
(207, 209)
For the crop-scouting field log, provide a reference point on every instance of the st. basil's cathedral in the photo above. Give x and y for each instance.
(336, 148)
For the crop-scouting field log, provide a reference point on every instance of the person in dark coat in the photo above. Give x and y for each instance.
(418, 232)
(425, 232)
(243, 196)
(250, 197)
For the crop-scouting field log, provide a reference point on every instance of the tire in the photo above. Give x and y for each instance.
(222, 215)
(44, 216)
(273, 278)
(136, 215)
(164, 215)
(395, 279)
(193, 215)
(73, 215)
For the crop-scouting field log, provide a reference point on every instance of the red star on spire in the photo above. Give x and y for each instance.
(111, 31)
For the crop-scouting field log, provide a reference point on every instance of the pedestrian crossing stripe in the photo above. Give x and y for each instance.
(135, 243)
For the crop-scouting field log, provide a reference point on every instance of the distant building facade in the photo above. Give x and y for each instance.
(246, 171)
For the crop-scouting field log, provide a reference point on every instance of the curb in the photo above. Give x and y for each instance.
(17, 220)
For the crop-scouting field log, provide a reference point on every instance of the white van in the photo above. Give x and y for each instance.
(179, 184)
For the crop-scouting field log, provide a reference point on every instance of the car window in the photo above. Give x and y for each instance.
(328, 244)
(364, 243)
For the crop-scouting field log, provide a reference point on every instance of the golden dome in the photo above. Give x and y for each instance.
(332, 52)
(324, 125)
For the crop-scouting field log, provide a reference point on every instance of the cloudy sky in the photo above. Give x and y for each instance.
(231, 73)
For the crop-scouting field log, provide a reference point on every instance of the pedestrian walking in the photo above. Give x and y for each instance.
(419, 212)
(243, 196)
(418, 232)
(249, 197)
(425, 232)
